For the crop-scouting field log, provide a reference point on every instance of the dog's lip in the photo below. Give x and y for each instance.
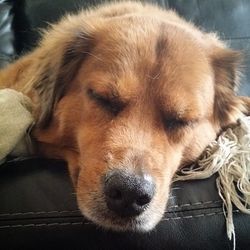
(121, 224)
(110, 220)
(120, 219)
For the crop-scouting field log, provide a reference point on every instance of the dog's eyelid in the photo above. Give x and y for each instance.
(175, 121)
(105, 96)
(111, 103)
(93, 94)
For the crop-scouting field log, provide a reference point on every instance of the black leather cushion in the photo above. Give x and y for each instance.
(6, 33)
(38, 210)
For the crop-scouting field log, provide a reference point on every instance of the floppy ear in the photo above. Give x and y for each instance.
(228, 107)
(61, 52)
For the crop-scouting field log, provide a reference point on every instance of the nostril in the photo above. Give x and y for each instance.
(114, 194)
(143, 200)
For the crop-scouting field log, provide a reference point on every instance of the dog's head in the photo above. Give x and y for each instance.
(128, 95)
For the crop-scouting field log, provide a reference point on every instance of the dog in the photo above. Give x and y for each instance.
(127, 93)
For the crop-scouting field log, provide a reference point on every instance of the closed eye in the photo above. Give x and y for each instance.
(171, 123)
(111, 104)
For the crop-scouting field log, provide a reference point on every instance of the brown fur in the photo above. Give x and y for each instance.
(127, 86)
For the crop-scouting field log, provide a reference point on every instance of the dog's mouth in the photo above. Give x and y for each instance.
(107, 219)
(112, 221)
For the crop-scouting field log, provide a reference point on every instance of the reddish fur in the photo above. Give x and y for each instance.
(160, 65)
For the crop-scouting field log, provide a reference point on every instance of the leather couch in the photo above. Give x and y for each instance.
(37, 202)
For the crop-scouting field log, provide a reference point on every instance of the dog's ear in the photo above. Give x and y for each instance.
(58, 58)
(227, 64)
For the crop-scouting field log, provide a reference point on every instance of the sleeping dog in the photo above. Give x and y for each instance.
(127, 93)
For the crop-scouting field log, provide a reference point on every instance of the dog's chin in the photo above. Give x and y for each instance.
(136, 224)
(144, 222)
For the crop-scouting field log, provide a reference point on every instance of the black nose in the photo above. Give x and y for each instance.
(128, 194)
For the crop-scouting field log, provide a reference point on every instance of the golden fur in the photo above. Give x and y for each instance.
(127, 85)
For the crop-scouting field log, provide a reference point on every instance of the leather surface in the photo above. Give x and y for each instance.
(6, 33)
(38, 208)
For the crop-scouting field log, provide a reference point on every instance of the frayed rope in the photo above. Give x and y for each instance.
(229, 155)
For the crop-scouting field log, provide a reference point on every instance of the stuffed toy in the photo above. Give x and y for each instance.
(15, 121)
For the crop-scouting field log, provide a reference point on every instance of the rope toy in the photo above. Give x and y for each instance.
(229, 156)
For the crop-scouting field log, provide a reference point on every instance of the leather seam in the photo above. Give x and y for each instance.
(46, 224)
(74, 211)
(197, 216)
(195, 204)
(40, 212)
(90, 223)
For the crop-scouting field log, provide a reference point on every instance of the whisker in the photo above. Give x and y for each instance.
(172, 197)
(90, 54)
(154, 77)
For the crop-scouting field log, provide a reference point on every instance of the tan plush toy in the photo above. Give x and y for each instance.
(15, 121)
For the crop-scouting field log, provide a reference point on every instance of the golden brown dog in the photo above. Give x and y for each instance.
(127, 93)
